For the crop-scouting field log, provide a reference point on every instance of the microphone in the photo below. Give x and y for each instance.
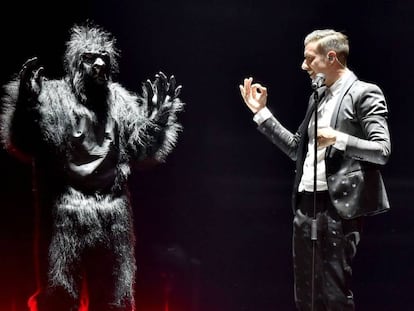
(318, 81)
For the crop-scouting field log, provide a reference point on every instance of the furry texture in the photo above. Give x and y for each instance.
(83, 141)
(88, 39)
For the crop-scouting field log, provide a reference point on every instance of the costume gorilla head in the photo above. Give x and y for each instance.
(90, 59)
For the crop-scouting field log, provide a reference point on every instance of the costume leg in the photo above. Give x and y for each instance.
(111, 268)
(61, 280)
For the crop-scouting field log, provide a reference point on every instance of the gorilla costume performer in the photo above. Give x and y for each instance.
(82, 134)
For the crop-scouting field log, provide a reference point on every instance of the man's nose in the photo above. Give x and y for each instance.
(304, 65)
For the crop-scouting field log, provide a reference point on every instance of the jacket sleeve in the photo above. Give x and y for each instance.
(281, 137)
(371, 112)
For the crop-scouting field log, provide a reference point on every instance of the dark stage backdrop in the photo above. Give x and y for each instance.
(213, 224)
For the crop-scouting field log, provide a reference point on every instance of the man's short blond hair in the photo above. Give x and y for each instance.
(330, 40)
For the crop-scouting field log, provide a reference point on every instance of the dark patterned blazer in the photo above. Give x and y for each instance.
(354, 180)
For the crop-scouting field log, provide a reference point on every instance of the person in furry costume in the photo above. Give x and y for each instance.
(82, 134)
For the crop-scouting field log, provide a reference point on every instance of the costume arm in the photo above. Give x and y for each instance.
(371, 111)
(162, 105)
(18, 126)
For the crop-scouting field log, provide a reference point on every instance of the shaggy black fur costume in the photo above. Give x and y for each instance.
(82, 133)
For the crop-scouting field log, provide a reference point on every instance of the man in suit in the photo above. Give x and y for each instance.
(353, 142)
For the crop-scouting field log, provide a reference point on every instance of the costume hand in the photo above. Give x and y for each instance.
(167, 87)
(31, 78)
(326, 137)
(254, 95)
(161, 95)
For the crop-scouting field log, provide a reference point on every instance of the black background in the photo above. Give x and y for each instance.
(213, 224)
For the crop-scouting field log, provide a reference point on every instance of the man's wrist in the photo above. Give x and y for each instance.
(341, 140)
(262, 115)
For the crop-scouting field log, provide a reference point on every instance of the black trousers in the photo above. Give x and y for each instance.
(335, 247)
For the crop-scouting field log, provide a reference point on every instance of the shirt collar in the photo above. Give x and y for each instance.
(335, 88)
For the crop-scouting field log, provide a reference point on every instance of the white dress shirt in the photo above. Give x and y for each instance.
(325, 111)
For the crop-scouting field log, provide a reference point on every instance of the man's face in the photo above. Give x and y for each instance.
(314, 61)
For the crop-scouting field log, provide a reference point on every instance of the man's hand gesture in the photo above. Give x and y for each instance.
(254, 95)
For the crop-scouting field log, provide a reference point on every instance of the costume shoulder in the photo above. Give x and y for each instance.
(56, 95)
(124, 102)
(121, 94)
(56, 88)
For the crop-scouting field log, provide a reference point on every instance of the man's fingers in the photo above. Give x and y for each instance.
(263, 90)
(259, 87)
(242, 92)
(247, 82)
(248, 89)
(258, 90)
(326, 132)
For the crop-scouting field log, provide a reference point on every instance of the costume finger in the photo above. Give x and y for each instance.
(171, 86)
(177, 91)
(36, 81)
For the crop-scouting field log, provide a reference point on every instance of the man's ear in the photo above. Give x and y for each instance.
(331, 56)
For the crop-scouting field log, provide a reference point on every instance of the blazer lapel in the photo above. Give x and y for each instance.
(345, 88)
(334, 120)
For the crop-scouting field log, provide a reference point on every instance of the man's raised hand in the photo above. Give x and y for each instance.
(254, 95)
